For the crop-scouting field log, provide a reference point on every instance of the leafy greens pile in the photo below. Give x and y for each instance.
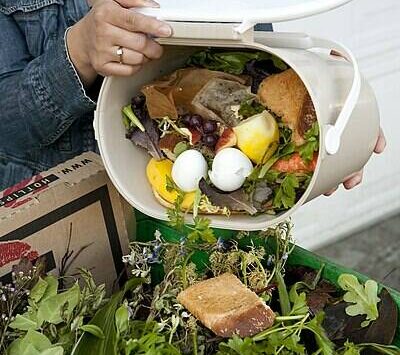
(144, 317)
(40, 316)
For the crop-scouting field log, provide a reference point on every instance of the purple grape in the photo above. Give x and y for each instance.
(209, 127)
(210, 140)
(186, 119)
(196, 121)
(138, 101)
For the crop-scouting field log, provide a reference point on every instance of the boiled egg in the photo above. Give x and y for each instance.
(188, 169)
(230, 168)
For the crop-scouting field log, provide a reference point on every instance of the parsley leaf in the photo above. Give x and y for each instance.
(281, 340)
(311, 145)
(326, 347)
(196, 203)
(285, 148)
(299, 301)
(365, 298)
(175, 215)
(238, 346)
(285, 194)
(170, 185)
(357, 349)
(250, 108)
(202, 231)
(351, 349)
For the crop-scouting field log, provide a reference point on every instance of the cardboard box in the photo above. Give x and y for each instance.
(70, 209)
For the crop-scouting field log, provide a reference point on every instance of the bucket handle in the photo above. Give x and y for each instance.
(303, 41)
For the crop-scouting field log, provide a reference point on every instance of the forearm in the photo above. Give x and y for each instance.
(41, 102)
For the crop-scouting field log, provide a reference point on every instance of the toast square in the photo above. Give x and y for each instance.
(227, 307)
(286, 96)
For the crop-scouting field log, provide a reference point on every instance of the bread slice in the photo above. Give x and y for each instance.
(286, 96)
(215, 100)
(227, 307)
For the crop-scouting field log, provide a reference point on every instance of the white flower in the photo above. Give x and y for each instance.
(127, 259)
(143, 274)
(157, 234)
(185, 314)
(136, 273)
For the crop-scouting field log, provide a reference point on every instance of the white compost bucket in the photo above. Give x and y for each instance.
(345, 105)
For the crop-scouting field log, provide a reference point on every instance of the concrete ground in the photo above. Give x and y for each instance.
(374, 252)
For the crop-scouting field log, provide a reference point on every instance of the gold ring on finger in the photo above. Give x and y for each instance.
(120, 53)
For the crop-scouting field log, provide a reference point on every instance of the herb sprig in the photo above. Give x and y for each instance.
(285, 194)
(200, 230)
(250, 108)
(311, 144)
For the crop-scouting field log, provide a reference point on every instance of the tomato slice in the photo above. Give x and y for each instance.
(295, 164)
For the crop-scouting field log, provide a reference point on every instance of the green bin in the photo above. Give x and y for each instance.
(147, 226)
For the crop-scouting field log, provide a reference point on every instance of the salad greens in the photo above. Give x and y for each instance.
(235, 201)
(286, 148)
(250, 108)
(285, 194)
(130, 119)
(109, 324)
(231, 62)
(200, 230)
(311, 145)
(175, 215)
(357, 349)
(364, 298)
(54, 319)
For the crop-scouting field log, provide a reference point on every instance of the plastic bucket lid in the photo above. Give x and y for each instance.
(240, 11)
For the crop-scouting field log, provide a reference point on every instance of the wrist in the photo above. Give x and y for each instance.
(79, 56)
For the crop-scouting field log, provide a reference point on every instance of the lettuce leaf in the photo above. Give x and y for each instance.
(364, 299)
(235, 201)
(230, 62)
(149, 138)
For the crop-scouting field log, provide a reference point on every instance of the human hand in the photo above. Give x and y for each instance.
(355, 179)
(93, 42)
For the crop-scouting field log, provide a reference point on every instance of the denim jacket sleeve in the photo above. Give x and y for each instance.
(40, 96)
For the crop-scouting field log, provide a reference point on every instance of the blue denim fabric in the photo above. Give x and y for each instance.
(45, 115)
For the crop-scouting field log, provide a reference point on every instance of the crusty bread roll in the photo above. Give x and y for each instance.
(227, 307)
(286, 96)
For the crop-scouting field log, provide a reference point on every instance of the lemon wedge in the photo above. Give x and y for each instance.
(258, 137)
(157, 172)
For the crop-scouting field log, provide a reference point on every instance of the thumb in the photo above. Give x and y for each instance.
(137, 3)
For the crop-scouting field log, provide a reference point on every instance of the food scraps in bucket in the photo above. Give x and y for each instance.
(238, 128)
